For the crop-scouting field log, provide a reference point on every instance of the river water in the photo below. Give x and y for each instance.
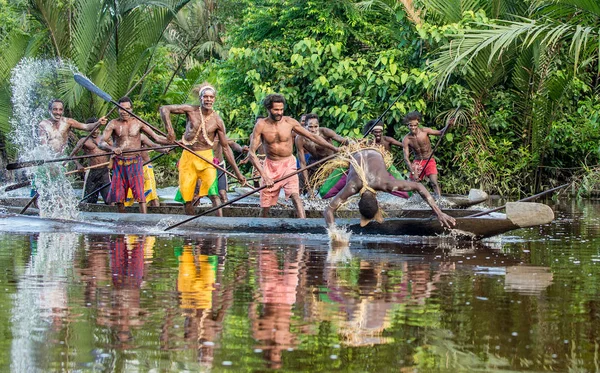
(525, 301)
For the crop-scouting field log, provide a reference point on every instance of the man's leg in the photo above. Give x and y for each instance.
(433, 180)
(223, 195)
(154, 203)
(298, 205)
(216, 201)
(121, 207)
(189, 208)
(143, 208)
(264, 213)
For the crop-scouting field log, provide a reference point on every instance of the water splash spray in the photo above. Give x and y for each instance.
(33, 84)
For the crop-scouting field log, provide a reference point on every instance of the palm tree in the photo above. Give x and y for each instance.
(526, 53)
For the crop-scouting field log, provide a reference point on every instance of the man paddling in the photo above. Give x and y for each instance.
(97, 173)
(315, 151)
(417, 141)
(54, 131)
(276, 132)
(222, 181)
(368, 175)
(203, 126)
(125, 133)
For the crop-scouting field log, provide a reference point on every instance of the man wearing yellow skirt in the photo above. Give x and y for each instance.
(203, 125)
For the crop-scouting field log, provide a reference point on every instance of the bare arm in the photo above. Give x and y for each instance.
(105, 142)
(316, 139)
(146, 142)
(393, 141)
(350, 189)
(85, 126)
(255, 142)
(165, 115)
(406, 152)
(236, 147)
(431, 131)
(158, 138)
(331, 134)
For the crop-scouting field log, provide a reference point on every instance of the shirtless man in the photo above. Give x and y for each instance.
(385, 141)
(203, 126)
(376, 179)
(276, 133)
(417, 141)
(125, 133)
(55, 131)
(97, 175)
(315, 151)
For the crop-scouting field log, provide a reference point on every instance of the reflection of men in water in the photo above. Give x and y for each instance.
(97, 175)
(127, 269)
(278, 282)
(366, 176)
(196, 283)
(55, 131)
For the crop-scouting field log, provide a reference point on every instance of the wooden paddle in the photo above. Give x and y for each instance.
(531, 198)
(384, 113)
(77, 147)
(38, 162)
(88, 168)
(16, 186)
(250, 192)
(85, 82)
(437, 144)
(31, 201)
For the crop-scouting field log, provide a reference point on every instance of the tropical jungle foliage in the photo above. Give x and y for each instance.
(525, 73)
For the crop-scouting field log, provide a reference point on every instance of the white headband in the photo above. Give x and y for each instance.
(378, 127)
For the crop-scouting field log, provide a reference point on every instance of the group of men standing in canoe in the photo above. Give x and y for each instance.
(274, 136)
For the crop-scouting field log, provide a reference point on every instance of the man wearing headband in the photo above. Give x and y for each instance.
(371, 178)
(417, 141)
(204, 126)
(55, 131)
(380, 140)
(276, 133)
(315, 151)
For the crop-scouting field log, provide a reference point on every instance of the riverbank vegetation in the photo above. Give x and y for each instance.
(525, 73)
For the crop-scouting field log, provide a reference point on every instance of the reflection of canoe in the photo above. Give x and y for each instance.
(519, 215)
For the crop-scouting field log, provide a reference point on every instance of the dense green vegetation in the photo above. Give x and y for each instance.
(525, 73)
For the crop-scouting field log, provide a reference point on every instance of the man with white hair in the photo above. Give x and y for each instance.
(203, 125)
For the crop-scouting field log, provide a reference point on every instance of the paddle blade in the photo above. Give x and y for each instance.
(17, 186)
(15, 166)
(87, 84)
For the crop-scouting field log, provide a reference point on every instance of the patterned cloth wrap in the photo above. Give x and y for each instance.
(128, 173)
(149, 186)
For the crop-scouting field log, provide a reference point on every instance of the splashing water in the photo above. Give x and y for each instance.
(33, 86)
(338, 236)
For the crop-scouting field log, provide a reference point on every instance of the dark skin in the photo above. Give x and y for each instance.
(276, 133)
(316, 151)
(125, 133)
(386, 141)
(215, 131)
(378, 179)
(218, 150)
(90, 147)
(147, 143)
(417, 141)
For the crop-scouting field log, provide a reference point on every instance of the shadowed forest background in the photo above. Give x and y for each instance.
(525, 73)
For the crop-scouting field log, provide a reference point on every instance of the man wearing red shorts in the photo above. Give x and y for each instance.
(417, 141)
(276, 132)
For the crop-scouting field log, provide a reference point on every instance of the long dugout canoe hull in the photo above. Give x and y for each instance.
(519, 215)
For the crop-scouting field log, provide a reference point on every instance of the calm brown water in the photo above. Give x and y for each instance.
(527, 301)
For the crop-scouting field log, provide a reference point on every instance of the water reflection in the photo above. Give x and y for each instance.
(527, 302)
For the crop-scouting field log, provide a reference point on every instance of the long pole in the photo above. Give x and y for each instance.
(385, 112)
(251, 192)
(531, 198)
